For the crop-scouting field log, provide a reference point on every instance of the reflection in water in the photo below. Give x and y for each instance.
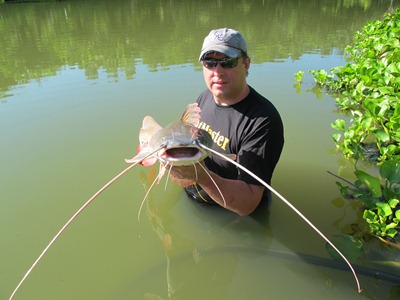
(39, 39)
(214, 254)
(211, 259)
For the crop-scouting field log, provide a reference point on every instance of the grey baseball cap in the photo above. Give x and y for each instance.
(225, 40)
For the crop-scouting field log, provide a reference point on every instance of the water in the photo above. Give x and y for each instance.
(77, 78)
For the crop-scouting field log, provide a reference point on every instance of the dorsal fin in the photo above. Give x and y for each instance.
(192, 114)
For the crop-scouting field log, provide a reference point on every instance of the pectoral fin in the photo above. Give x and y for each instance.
(148, 129)
(231, 156)
(144, 157)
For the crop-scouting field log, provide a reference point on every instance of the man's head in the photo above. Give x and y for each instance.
(226, 41)
(225, 65)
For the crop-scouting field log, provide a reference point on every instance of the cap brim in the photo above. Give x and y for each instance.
(228, 51)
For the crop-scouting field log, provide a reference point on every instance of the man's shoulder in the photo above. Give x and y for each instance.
(258, 105)
(257, 97)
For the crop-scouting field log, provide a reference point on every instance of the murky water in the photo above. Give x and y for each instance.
(77, 78)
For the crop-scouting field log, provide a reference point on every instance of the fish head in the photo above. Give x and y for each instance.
(181, 144)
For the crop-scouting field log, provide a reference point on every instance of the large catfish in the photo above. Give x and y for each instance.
(180, 143)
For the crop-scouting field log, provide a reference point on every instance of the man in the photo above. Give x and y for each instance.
(240, 121)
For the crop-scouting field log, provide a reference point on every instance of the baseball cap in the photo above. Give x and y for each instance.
(225, 40)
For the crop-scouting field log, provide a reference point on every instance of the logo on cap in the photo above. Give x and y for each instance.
(219, 35)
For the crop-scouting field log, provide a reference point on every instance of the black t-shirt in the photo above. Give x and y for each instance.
(252, 129)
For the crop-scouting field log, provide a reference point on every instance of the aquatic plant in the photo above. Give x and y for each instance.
(368, 87)
(380, 197)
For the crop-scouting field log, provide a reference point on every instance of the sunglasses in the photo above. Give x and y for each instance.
(225, 63)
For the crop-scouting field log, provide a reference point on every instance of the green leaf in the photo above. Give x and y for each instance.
(339, 125)
(391, 226)
(391, 171)
(372, 183)
(386, 90)
(391, 232)
(370, 216)
(336, 137)
(375, 228)
(384, 209)
(367, 122)
(393, 203)
(382, 136)
(299, 76)
(371, 106)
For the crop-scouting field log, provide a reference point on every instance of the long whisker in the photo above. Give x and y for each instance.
(74, 216)
(195, 170)
(68, 223)
(220, 192)
(168, 175)
(145, 196)
(292, 207)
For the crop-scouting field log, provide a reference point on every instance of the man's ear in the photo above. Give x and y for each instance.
(247, 62)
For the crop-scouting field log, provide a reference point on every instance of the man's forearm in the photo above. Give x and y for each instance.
(235, 195)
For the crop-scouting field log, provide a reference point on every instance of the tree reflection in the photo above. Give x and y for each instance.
(38, 39)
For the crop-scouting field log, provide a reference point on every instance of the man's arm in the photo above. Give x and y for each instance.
(240, 197)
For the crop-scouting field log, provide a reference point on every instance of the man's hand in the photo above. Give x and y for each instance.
(235, 195)
(186, 175)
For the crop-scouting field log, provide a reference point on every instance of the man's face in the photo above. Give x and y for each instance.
(226, 84)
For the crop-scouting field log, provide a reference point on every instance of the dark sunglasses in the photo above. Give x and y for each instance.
(225, 63)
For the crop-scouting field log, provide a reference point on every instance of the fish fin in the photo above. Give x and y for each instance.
(231, 156)
(144, 157)
(148, 129)
(192, 114)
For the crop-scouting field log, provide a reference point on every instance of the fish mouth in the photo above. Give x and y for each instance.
(182, 152)
(182, 156)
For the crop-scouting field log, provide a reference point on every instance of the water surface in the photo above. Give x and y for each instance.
(77, 78)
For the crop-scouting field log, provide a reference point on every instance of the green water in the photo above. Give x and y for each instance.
(77, 78)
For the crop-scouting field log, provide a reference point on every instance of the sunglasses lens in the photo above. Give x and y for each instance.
(210, 63)
(228, 63)
(225, 63)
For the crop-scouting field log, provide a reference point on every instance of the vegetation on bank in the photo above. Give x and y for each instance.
(367, 91)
